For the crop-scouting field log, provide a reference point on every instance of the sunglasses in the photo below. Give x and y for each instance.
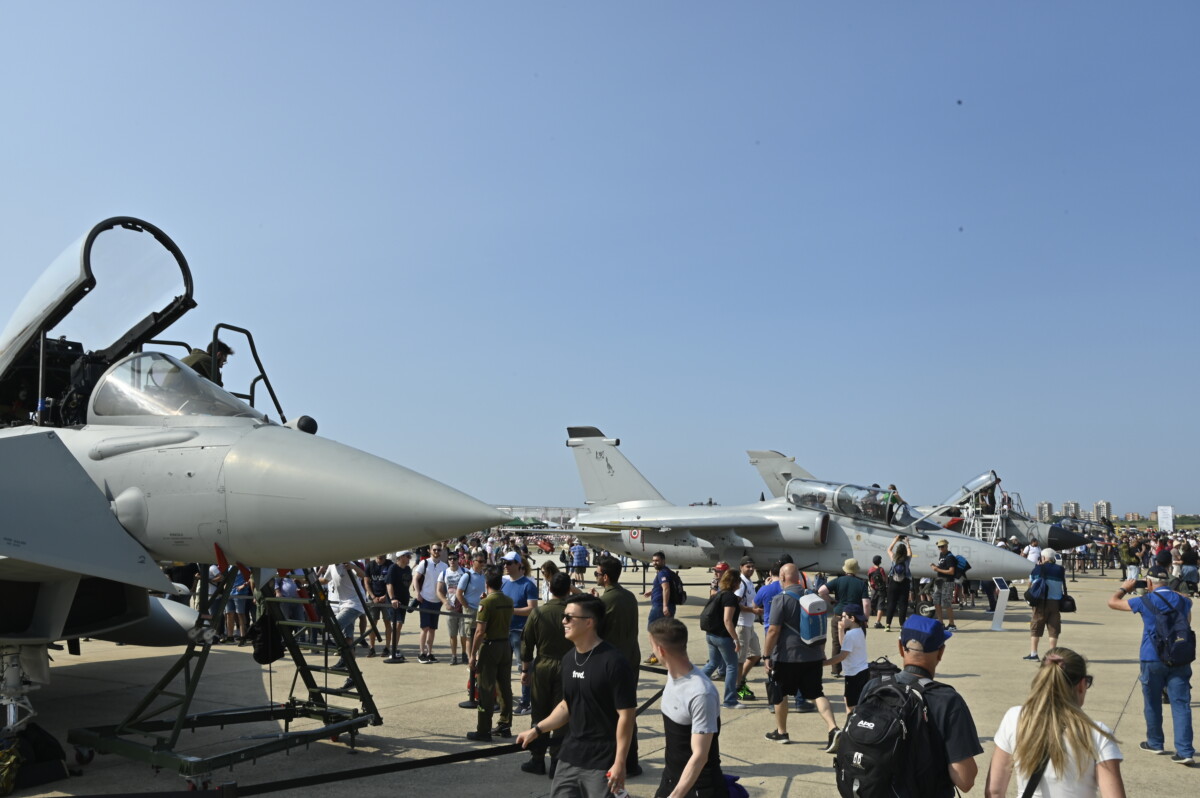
(568, 618)
(1089, 680)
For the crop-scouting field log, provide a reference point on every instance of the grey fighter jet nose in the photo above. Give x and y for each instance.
(300, 500)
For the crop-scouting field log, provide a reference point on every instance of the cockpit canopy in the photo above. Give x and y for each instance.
(870, 504)
(985, 480)
(158, 385)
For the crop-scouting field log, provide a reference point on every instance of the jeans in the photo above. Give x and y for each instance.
(514, 641)
(345, 620)
(721, 654)
(1154, 676)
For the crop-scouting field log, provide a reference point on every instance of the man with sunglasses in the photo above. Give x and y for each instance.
(425, 578)
(599, 700)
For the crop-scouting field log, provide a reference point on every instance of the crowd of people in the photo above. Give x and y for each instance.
(570, 640)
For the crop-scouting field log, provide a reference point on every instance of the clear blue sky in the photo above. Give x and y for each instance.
(905, 242)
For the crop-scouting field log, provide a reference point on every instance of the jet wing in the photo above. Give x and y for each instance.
(742, 523)
(56, 517)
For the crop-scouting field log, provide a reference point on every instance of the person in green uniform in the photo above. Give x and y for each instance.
(491, 660)
(543, 644)
(621, 630)
(201, 360)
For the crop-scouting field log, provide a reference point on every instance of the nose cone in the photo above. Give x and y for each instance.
(298, 500)
(1061, 538)
(988, 561)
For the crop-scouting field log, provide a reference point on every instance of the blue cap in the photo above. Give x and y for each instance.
(929, 633)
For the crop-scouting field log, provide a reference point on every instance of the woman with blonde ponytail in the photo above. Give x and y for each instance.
(1051, 739)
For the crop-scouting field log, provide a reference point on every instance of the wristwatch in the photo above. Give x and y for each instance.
(537, 729)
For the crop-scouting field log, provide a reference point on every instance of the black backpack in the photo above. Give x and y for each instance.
(712, 617)
(678, 594)
(888, 747)
(1174, 641)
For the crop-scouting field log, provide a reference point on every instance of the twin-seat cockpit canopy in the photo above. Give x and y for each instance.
(870, 504)
(154, 384)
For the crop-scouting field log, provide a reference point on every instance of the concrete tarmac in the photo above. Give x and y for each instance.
(421, 717)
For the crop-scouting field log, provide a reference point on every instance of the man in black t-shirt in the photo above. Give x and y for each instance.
(599, 700)
(398, 580)
(378, 605)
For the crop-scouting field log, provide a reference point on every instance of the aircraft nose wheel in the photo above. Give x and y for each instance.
(84, 755)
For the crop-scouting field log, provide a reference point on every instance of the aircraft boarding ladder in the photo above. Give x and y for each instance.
(988, 528)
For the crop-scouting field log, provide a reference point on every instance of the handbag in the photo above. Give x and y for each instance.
(1067, 604)
(882, 666)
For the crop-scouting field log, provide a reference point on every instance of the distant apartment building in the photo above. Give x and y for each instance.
(1133, 516)
(1045, 512)
(1070, 509)
(1102, 510)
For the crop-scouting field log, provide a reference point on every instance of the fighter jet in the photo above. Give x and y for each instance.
(822, 523)
(972, 510)
(116, 457)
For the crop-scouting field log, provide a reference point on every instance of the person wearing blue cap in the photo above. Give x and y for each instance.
(922, 645)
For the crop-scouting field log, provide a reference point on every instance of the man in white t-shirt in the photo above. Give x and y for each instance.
(1033, 552)
(429, 599)
(343, 598)
(749, 649)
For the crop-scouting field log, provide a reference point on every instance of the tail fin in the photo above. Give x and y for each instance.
(608, 478)
(776, 469)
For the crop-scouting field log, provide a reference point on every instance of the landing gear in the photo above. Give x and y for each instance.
(15, 687)
(84, 755)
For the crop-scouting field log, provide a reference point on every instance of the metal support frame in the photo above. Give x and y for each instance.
(161, 734)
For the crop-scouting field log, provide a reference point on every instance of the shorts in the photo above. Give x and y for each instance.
(748, 645)
(468, 630)
(237, 604)
(429, 614)
(454, 624)
(571, 781)
(855, 685)
(379, 612)
(578, 569)
(943, 592)
(397, 614)
(804, 677)
(1045, 618)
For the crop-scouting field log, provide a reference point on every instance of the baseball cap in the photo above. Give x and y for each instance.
(721, 567)
(943, 542)
(512, 556)
(747, 560)
(929, 633)
(1158, 572)
(405, 553)
(855, 611)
